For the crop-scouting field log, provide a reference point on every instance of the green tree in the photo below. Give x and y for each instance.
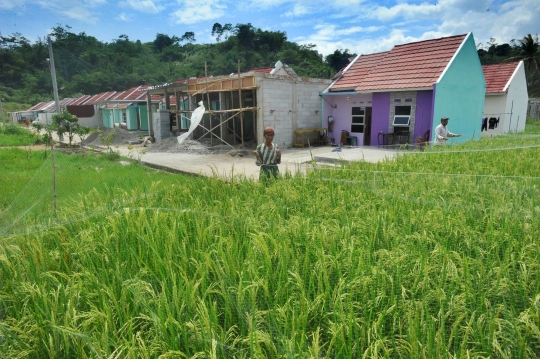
(339, 59)
(529, 53)
(64, 122)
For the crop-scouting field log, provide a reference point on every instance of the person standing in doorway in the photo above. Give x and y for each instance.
(268, 155)
(442, 134)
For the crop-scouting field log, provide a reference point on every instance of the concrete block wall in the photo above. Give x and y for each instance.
(288, 104)
(403, 96)
(92, 122)
(160, 121)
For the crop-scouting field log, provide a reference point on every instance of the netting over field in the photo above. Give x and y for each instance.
(435, 254)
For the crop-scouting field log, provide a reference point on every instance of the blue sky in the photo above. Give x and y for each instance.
(362, 26)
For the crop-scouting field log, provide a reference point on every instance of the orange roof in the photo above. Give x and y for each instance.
(358, 70)
(498, 75)
(414, 65)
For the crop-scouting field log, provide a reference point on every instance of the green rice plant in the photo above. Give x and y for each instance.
(431, 255)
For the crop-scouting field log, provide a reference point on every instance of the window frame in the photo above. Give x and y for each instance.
(358, 120)
(401, 117)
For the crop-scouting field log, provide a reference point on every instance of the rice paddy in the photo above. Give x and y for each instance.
(434, 255)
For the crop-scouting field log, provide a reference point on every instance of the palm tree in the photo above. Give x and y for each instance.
(529, 53)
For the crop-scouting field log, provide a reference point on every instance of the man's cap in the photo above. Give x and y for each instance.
(444, 118)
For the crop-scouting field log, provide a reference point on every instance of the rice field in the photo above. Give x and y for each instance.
(434, 255)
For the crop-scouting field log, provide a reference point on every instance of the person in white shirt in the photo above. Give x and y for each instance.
(442, 133)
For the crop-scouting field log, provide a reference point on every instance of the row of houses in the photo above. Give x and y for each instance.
(397, 96)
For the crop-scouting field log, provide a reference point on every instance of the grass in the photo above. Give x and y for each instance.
(15, 135)
(434, 255)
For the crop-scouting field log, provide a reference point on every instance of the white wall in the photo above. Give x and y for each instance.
(510, 107)
(46, 117)
(288, 104)
(494, 106)
(517, 101)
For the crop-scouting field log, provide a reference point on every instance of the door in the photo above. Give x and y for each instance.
(367, 127)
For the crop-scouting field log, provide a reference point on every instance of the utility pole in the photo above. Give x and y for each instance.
(53, 75)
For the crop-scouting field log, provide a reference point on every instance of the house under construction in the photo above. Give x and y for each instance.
(240, 105)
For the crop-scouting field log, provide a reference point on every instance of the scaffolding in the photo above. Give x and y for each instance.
(230, 102)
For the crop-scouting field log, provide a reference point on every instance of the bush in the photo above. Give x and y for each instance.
(11, 129)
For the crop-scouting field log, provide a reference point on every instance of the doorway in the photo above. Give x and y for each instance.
(367, 127)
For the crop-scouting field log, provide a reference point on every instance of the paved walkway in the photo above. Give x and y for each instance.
(224, 165)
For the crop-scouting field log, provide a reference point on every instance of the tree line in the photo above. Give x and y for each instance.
(85, 65)
(526, 49)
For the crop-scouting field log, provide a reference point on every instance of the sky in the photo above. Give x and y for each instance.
(361, 26)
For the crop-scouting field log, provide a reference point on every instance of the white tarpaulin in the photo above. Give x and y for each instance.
(196, 118)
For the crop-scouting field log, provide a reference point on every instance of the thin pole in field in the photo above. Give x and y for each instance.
(54, 173)
(240, 104)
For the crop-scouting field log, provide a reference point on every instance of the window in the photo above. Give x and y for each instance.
(357, 123)
(402, 115)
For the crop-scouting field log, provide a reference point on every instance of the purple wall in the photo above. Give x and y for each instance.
(381, 111)
(342, 114)
(424, 113)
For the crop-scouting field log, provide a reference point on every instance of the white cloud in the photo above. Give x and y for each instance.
(194, 11)
(298, 10)
(146, 6)
(84, 11)
(125, 17)
(413, 21)
(359, 45)
(331, 33)
(11, 4)
(80, 13)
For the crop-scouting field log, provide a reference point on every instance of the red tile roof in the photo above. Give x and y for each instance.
(80, 100)
(101, 97)
(408, 66)
(358, 70)
(38, 106)
(133, 93)
(498, 75)
(265, 70)
(414, 65)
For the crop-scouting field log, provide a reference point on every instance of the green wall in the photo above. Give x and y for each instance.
(117, 115)
(143, 113)
(107, 117)
(460, 94)
(131, 118)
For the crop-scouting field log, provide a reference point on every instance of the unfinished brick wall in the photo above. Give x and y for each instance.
(288, 104)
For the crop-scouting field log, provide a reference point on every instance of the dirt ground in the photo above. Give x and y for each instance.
(122, 139)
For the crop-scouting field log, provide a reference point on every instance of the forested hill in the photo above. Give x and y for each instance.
(85, 65)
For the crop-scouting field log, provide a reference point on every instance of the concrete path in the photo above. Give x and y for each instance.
(226, 166)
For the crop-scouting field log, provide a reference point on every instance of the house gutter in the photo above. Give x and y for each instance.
(392, 90)
(338, 93)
